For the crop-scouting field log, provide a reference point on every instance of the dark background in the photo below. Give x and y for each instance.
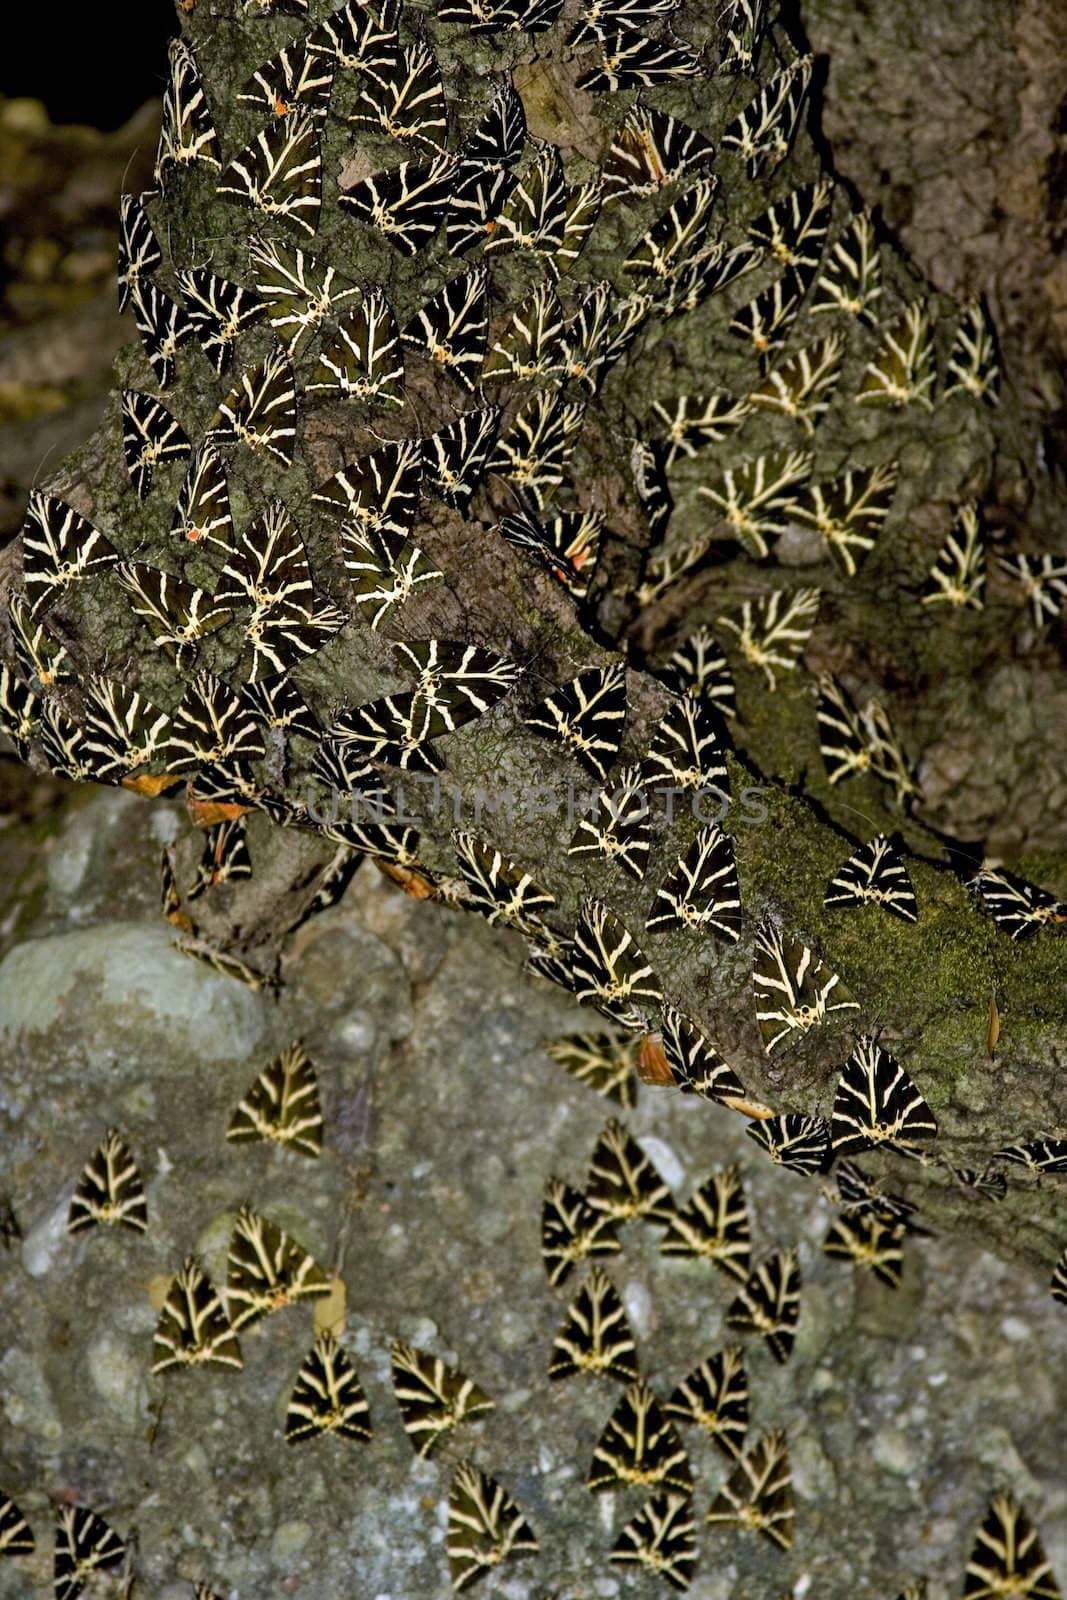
(90, 63)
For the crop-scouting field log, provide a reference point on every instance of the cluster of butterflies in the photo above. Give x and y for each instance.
(1007, 1558)
(268, 1270)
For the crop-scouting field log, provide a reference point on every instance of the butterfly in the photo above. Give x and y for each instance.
(1044, 582)
(63, 745)
(648, 466)
(803, 386)
(697, 421)
(566, 545)
(84, 1544)
(433, 1397)
(404, 100)
(587, 716)
(178, 614)
(362, 359)
(755, 499)
(298, 291)
(486, 1526)
(535, 452)
(282, 1106)
(267, 1270)
(847, 512)
(800, 1143)
(42, 659)
(620, 829)
(212, 723)
(1037, 1155)
(458, 681)
(957, 577)
(714, 1397)
(639, 1447)
(630, 60)
(704, 272)
(225, 857)
(268, 565)
(772, 632)
(795, 990)
(497, 888)
(499, 138)
(16, 1535)
(713, 1225)
(260, 411)
(877, 1105)
(202, 514)
(279, 174)
(1058, 1284)
(1018, 908)
(572, 1231)
(851, 279)
(1008, 1557)
(903, 369)
(150, 436)
(452, 327)
(406, 203)
(193, 1328)
(604, 1062)
(188, 132)
(139, 252)
(60, 547)
(622, 1182)
(699, 668)
(219, 312)
(378, 495)
(758, 1495)
(686, 749)
(742, 24)
(985, 1181)
(765, 322)
(278, 704)
(610, 972)
(595, 1335)
(769, 1303)
(327, 1396)
(597, 15)
(859, 1195)
(600, 332)
(867, 1242)
(292, 82)
(679, 231)
(529, 345)
(164, 327)
(650, 150)
(973, 366)
(763, 132)
(110, 1191)
(662, 1539)
(397, 730)
(20, 711)
(876, 873)
(358, 37)
(701, 891)
(385, 569)
(123, 730)
(697, 1066)
(794, 229)
(454, 459)
(475, 201)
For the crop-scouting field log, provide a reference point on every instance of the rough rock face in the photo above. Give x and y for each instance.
(903, 1409)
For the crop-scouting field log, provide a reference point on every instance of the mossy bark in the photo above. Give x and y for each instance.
(928, 988)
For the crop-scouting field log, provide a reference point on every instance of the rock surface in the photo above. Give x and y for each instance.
(443, 1117)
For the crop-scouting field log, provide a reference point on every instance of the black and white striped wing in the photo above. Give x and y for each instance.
(260, 412)
(610, 971)
(622, 1182)
(327, 1396)
(572, 1231)
(878, 1106)
(795, 989)
(587, 716)
(1008, 1557)
(110, 1191)
(697, 1066)
(876, 875)
(279, 175)
(768, 1303)
(661, 1538)
(713, 1225)
(150, 437)
(84, 1544)
(640, 1448)
(714, 1397)
(595, 1335)
(433, 1397)
(282, 1106)
(701, 892)
(486, 1526)
(758, 1496)
(792, 1140)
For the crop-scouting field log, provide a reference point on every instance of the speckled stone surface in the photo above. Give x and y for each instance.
(444, 1116)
